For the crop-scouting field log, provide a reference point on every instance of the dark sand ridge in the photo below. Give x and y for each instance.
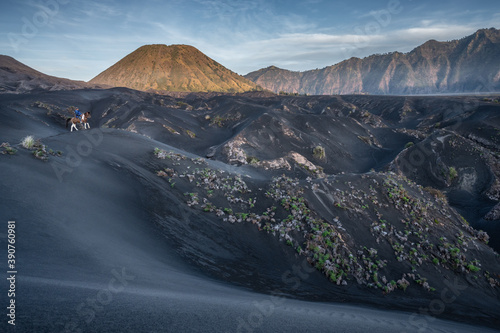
(68, 252)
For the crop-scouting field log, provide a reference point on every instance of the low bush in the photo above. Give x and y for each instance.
(453, 173)
(319, 152)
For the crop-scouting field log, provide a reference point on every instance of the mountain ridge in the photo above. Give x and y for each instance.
(462, 65)
(16, 77)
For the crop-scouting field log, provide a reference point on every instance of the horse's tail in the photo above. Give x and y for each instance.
(67, 121)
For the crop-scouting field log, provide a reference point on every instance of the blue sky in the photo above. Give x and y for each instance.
(78, 39)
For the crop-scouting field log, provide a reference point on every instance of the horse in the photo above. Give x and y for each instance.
(75, 120)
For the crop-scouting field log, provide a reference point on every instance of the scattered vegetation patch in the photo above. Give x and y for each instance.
(108, 122)
(40, 150)
(162, 154)
(284, 93)
(490, 100)
(436, 193)
(452, 172)
(218, 121)
(414, 239)
(409, 144)
(316, 170)
(252, 160)
(49, 107)
(183, 105)
(191, 134)
(171, 130)
(319, 152)
(222, 121)
(7, 149)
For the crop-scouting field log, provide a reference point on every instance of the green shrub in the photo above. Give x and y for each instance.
(218, 121)
(252, 160)
(319, 152)
(409, 144)
(473, 268)
(453, 173)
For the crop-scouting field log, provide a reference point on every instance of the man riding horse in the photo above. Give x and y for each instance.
(81, 118)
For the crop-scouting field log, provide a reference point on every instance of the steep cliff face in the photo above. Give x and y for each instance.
(470, 64)
(172, 68)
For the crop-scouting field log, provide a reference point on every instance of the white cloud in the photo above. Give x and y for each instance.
(438, 32)
(323, 40)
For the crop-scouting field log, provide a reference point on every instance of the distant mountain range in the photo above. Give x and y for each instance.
(470, 64)
(172, 68)
(19, 78)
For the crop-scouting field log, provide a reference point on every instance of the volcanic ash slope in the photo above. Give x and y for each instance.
(288, 186)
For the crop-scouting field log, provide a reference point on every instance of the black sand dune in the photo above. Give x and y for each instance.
(107, 243)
